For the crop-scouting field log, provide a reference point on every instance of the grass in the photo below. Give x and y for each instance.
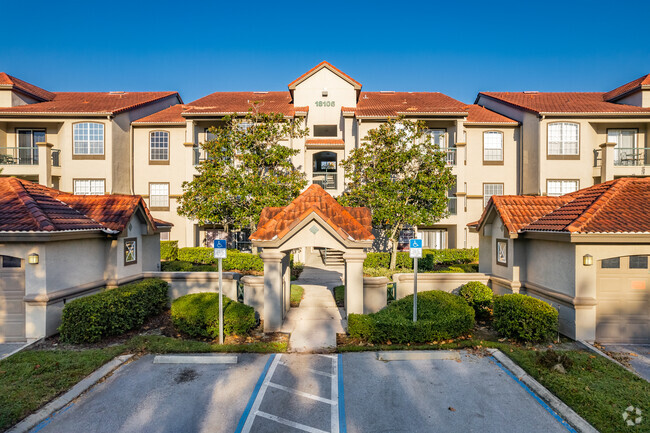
(296, 294)
(162, 344)
(339, 296)
(30, 379)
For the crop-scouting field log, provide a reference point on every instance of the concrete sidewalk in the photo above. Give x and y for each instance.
(639, 356)
(314, 325)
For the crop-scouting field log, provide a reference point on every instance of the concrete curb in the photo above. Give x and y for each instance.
(555, 403)
(597, 351)
(57, 404)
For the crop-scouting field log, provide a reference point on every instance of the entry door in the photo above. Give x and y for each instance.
(12, 306)
(27, 148)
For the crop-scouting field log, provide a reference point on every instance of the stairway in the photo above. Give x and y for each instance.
(332, 257)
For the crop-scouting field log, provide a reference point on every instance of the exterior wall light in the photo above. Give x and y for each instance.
(33, 259)
(587, 260)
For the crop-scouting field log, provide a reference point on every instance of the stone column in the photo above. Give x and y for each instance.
(273, 310)
(354, 281)
(45, 164)
(607, 161)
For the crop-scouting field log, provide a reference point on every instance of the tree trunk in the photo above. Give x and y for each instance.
(393, 255)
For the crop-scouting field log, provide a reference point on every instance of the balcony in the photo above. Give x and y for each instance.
(632, 157)
(451, 155)
(325, 179)
(56, 158)
(18, 155)
(451, 205)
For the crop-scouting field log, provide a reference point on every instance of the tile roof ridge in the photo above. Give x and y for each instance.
(31, 205)
(596, 206)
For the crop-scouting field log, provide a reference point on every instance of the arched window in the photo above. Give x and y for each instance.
(492, 146)
(563, 138)
(159, 146)
(88, 138)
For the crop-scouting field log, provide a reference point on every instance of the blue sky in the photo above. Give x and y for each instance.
(200, 47)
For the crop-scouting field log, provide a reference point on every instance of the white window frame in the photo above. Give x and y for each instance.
(560, 141)
(492, 152)
(436, 136)
(487, 194)
(558, 187)
(159, 200)
(89, 186)
(159, 145)
(88, 138)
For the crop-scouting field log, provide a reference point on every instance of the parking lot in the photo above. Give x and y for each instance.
(356, 392)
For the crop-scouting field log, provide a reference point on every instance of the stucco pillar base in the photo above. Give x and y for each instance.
(607, 161)
(273, 296)
(585, 323)
(354, 281)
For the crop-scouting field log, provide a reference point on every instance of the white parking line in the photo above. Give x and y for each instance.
(311, 370)
(289, 423)
(334, 424)
(258, 400)
(302, 394)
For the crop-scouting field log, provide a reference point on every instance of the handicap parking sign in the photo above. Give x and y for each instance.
(415, 248)
(219, 248)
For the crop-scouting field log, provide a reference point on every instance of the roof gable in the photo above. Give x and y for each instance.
(329, 66)
(275, 223)
(7, 81)
(627, 88)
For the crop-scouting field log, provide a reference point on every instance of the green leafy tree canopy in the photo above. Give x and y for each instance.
(248, 166)
(401, 176)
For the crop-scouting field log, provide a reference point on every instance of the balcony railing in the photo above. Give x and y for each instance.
(56, 158)
(451, 205)
(325, 179)
(18, 155)
(451, 155)
(635, 157)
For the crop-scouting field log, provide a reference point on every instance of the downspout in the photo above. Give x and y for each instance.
(131, 161)
(541, 153)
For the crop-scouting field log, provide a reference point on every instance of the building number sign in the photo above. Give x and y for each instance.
(324, 103)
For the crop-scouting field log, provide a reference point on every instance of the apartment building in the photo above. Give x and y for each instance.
(573, 140)
(73, 141)
(481, 145)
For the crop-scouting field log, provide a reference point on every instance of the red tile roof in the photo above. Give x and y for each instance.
(324, 141)
(29, 207)
(104, 103)
(172, 114)
(393, 104)
(626, 88)
(222, 103)
(318, 67)
(481, 115)
(617, 206)
(7, 81)
(563, 102)
(351, 224)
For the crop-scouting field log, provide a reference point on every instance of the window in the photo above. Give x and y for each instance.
(625, 150)
(436, 137)
(89, 187)
(10, 262)
(435, 239)
(561, 187)
(563, 138)
(159, 146)
(324, 173)
(638, 262)
(451, 199)
(26, 144)
(164, 236)
(490, 189)
(613, 263)
(88, 138)
(502, 252)
(492, 146)
(325, 131)
(159, 195)
(130, 251)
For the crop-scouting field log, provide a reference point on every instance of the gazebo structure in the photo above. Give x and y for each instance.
(313, 219)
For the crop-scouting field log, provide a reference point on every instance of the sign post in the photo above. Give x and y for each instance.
(220, 253)
(415, 252)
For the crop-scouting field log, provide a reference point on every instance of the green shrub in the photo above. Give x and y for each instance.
(441, 316)
(524, 318)
(431, 259)
(168, 250)
(234, 261)
(199, 255)
(112, 312)
(198, 315)
(478, 296)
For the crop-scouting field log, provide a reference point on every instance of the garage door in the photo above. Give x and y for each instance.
(623, 293)
(12, 306)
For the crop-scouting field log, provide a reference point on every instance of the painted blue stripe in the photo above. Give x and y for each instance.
(539, 400)
(342, 424)
(256, 391)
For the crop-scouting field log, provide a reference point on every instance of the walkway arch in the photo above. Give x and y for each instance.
(313, 219)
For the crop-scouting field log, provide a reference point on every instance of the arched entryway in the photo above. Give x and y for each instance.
(313, 219)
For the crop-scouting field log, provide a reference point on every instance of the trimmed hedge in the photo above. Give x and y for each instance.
(430, 259)
(441, 316)
(234, 261)
(198, 315)
(168, 250)
(524, 318)
(112, 312)
(478, 296)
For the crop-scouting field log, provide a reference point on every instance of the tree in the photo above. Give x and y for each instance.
(401, 176)
(247, 168)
